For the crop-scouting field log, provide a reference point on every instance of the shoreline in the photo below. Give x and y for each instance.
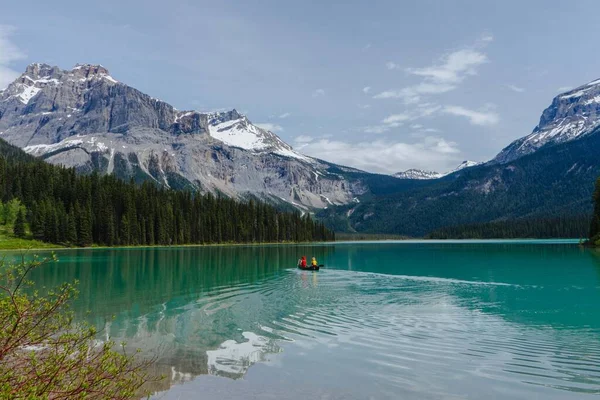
(157, 246)
(571, 241)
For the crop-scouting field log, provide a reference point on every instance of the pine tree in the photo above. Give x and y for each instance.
(595, 224)
(71, 229)
(124, 235)
(84, 228)
(19, 228)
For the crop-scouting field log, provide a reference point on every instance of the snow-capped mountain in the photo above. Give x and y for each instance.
(417, 174)
(463, 165)
(571, 115)
(422, 174)
(85, 118)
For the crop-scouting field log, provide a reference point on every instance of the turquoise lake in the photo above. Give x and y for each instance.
(382, 320)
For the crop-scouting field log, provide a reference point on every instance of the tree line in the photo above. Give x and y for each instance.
(64, 207)
(566, 226)
(594, 236)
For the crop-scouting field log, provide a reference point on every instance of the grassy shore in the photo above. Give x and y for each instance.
(8, 241)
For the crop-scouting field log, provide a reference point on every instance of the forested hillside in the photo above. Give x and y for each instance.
(595, 223)
(569, 226)
(554, 182)
(64, 207)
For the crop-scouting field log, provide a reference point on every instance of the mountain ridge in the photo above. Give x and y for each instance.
(553, 181)
(571, 115)
(85, 118)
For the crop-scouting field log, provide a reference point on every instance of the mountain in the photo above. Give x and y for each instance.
(85, 118)
(555, 181)
(546, 176)
(463, 165)
(542, 178)
(417, 174)
(421, 174)
(571, 115)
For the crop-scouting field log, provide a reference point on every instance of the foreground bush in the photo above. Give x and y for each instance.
(44, 355)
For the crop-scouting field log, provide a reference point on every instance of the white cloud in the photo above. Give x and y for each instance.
(364, 106)
(563, 89)
(483, 118)
(366, 89)
(416, 126)
(9, 53)
(377, 129)
(453, 68)
(412, 94)
(515, 88)
(426, 110)
(388, 94)
(318, 93)
(303, 139)
(397, 118)
(267, 126)
(487, 38)
(391, 65)
(285, 115)
(388, 156)
(444, 76)
(366, 47)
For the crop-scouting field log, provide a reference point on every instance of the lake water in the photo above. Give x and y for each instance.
(387, 320)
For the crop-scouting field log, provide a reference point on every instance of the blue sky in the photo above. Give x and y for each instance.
(379, 85)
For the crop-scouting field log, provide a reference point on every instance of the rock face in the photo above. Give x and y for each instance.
(571, 115)
(86, 119)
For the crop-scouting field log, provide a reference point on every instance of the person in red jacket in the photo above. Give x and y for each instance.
(302, 262)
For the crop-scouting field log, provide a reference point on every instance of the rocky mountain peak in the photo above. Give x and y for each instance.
(89, 70)
(40, 70)
(571, 115)
(225, 116)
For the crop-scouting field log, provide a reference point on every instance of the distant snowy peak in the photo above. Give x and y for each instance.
(417, 174)
(421, 174)
(463, 165)
(571, 115)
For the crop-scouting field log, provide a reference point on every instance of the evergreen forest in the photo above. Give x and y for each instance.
(56, 205)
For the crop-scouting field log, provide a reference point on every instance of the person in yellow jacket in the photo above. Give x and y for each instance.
(314, 262)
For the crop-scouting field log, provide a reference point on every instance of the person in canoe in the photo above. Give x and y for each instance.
(302, 262)
(314, 262)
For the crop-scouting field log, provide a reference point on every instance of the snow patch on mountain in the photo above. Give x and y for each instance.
(463, 165)
(28, 93)
(239, 132)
